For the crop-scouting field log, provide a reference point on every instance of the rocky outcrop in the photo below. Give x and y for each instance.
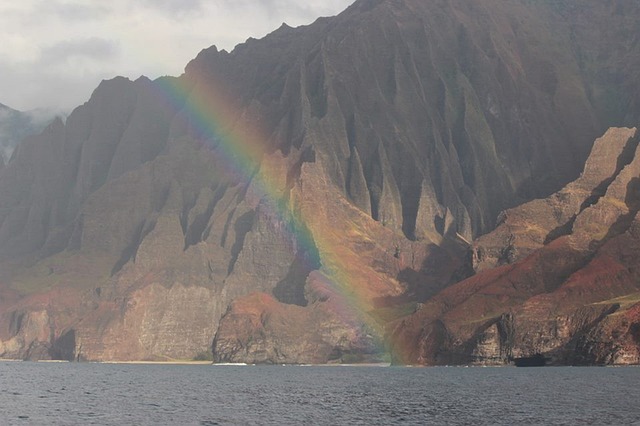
(31, 338)
(526, 228)
(573, 298)
(258, 329)
(328, 179)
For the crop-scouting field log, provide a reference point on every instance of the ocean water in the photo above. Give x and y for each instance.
(123, 394)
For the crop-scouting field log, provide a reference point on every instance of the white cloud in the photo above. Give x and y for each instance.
(55, 52)
(70, 11)
(93, 48)
(173, 7)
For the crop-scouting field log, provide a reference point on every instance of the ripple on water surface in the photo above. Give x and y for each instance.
(121, 394)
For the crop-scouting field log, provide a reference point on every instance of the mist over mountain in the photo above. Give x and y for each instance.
(321, 195)
(16, 125)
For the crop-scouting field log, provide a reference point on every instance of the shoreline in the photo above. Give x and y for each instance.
(329, 365)
(177, 362)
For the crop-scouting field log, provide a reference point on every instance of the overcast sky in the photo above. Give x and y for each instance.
(53, 53)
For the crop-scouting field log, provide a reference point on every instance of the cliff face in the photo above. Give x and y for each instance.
(571, 296)
(425, 110)
(530, 226)
(289, 200)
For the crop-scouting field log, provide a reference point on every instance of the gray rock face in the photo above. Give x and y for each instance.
(464, 97)
(54, 173)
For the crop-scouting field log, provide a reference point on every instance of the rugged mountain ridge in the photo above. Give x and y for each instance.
(397, 130)
(529, 227)
(572, 296)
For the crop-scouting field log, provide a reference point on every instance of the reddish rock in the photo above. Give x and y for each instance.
(571, 299)
(530, 226)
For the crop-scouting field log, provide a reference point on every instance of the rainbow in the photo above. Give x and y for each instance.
(212, 112)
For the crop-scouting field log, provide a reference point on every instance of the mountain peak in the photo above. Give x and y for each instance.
(6, 108)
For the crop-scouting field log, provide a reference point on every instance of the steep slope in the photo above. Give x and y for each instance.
(574, 298)
(530, 226)
(53, 174)
(414, 100)
(285, 201)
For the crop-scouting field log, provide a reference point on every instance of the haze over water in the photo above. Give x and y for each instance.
(119, 394)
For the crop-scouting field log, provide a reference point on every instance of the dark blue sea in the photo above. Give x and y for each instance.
(123, 394)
